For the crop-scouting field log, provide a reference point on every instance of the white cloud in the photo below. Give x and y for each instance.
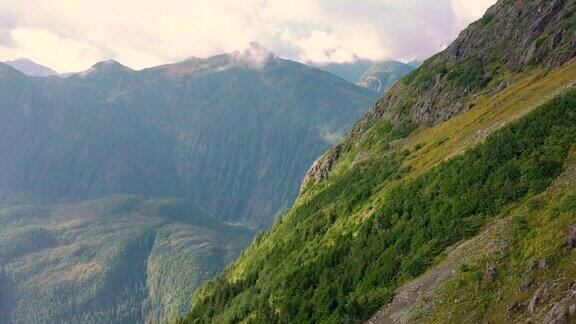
(467, 11)
(140, 33)
(44, 47)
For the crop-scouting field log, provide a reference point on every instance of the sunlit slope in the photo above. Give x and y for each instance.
(520, 268)
(377, 222)
(480, 128)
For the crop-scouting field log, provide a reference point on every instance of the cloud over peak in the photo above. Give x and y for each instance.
(72, 35)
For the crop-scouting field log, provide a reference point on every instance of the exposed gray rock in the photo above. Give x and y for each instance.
(558, 314)
(538, 297)
(500, 87)
(490, 274)
(532, 265)
(538, 265)
(563, 309)
(543, 264)
(526, 284)
(321, 168)
(571, 237)
(515, 308)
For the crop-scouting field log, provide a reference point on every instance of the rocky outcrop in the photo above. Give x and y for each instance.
(571, 237)
(563, 310)
(321, 168)
(512, 35)
(538, 297)
(490, 274)
(539, 29)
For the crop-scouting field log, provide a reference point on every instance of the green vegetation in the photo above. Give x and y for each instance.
(532, 254)
(117, 259)
(233, 140)
(430, 70)
(348, 272)
(486, 19)
(383, 208)
(468, 73)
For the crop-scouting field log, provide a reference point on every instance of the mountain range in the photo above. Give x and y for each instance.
(247, 188)
(122, 190)
(383, 75)
(214, 131)
(378, 76)
(450, 201)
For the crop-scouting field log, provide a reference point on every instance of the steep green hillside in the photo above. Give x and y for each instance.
(475, 132)
(233, 133)
(346, 270)
(120, 259)
(520, 268)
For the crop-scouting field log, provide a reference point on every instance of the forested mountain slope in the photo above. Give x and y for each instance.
(377, 76)
(116, 185)
(383, 75)
(119, 259)
(233, 133)
(478, 131)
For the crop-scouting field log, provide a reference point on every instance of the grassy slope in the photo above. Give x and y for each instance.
(333, 214)
(457, 289)
(117, 259)
(527, 234)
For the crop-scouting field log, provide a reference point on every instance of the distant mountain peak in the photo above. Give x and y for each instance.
(110, 65)
(254, 56)
(31, 68)
(107, 66)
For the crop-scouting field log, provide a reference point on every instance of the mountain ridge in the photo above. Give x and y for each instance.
(109, 84)
(31, 68)
(383, 75)
(378, 76)
(434, 87)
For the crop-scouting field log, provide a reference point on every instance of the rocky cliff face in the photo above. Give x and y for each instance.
(513, 36)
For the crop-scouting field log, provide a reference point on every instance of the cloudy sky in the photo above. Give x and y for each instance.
(71, 35)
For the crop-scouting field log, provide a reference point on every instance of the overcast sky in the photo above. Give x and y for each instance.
(71, 35)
